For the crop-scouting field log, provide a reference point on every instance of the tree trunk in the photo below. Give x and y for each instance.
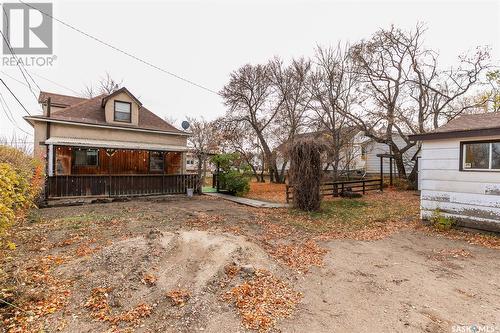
(282, 172)
(200, 170)
(254, 171)
(273, 169)
(398, 158)
(413, 177)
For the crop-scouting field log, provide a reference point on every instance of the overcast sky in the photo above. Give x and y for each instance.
(204, 41)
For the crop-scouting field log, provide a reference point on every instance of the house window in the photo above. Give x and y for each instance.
(363, 152)
(86, 157)
(481, 155)
(156, 161)
(123, 111)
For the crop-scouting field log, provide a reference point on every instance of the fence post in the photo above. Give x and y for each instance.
(390, 170)
(363, 182)
(381, 184)
(163, 183)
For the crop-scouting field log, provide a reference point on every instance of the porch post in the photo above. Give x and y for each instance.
(183, 171)
(50, 160)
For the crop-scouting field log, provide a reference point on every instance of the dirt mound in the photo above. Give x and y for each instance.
(139, 272)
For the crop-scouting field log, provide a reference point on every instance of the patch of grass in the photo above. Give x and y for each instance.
(208, 189)
(442, 222)
(353, 214)
(78, 220)
(33, 216)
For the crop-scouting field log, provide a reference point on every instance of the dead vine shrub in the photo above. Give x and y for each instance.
(305, 174)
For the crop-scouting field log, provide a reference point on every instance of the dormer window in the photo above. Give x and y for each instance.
(123, 111)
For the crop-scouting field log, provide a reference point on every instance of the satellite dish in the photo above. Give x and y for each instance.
(185, 125)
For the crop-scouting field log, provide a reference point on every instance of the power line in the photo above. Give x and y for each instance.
(42, 77)
(122, 51)
(17, 99)
(13, 78)
(6, 108)
(9, 114)
(17, 63)
(57, 84)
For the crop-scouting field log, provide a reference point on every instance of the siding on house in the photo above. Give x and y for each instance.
(470, 197)
(372, 164)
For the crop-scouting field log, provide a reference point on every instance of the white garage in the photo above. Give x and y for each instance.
(460, 171)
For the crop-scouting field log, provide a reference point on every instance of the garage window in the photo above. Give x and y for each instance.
(481, 156)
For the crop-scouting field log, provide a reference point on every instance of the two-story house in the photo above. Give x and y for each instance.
(108, 145)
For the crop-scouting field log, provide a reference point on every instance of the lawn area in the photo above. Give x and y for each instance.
(372, 211)
(182, 264)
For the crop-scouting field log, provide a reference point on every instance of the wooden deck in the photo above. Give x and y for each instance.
(119, 185)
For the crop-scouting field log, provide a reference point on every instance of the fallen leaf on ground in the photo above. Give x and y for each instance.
(179, 296)
(263, 300)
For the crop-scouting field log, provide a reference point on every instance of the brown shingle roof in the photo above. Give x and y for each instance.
(471, 122)
(59, 99)
(481, 124)
(119, 91)
(90, 111)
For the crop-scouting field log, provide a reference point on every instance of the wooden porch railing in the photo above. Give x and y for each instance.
(336, 188)
(119, 185)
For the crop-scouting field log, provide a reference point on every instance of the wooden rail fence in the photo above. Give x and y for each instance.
(336, 188)
(119, 185)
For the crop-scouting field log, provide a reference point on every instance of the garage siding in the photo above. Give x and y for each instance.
(472, 198)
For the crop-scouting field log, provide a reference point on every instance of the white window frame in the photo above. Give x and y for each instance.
(115, 111)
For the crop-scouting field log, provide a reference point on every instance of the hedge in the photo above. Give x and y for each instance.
(21, 180)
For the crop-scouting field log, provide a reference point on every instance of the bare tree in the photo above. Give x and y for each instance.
(250, 99)
(441, 95)
(203, 142)
(238, 137)
(88, 92)
(170, 119)
(291, 86)
(22, 143)
(491, 96)
(106, 85)
(382, 64)
(333, 92)
(403, 90)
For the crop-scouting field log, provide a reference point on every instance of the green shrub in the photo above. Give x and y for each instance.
(236, 182)
(442, 222)
(234, 174)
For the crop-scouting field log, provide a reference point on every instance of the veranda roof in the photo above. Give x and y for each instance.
(77, 142)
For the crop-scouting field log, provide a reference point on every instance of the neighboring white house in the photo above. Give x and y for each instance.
(368, 160)
(192, 163)
(460, 171)
(361, 153)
